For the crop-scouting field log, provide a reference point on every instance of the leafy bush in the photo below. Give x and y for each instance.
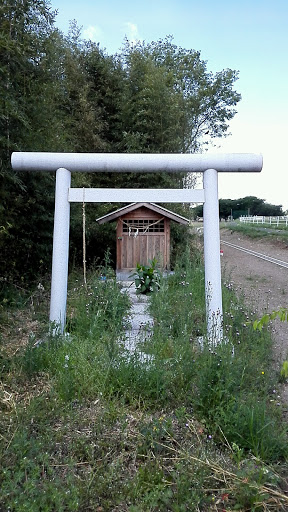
(147, 278)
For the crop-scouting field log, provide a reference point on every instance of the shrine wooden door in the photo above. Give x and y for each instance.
(141, 236)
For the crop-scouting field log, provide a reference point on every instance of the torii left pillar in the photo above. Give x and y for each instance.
(60, 256)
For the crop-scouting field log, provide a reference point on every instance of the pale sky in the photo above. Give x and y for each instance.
(250, 36)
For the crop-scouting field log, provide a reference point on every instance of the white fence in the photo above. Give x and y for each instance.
(261, 219)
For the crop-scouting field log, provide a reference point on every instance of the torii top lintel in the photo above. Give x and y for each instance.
(136, 162)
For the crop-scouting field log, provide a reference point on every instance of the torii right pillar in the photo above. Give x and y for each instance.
(213, 292)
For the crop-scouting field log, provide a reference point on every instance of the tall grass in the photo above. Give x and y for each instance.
(80, 361)
(87, 426)
(259, 231)
(232, 388)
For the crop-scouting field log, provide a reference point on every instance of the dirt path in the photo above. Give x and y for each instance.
(263, 284)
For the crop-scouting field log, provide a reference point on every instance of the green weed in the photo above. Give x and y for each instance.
(147, 278)
(88, 426)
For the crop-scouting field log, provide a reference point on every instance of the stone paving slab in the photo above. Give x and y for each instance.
(139, 322)
(140, 308)
(136, 298)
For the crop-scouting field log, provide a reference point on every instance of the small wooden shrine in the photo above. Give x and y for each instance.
(143, 233)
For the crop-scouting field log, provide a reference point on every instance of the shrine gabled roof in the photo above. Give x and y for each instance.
(109, 217)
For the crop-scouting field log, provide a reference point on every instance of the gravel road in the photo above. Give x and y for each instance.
(263, 284)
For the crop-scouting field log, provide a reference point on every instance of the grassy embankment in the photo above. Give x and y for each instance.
(85, 426)
(267, 231)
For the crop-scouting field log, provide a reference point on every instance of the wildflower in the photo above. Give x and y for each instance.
(262, 373)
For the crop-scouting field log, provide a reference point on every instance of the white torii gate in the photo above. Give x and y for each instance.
(209, 164)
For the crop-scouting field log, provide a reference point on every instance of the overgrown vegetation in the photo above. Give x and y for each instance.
(268, 318)
(85, 425)
(258, 231)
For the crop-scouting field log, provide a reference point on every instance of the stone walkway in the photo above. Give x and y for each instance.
(139, 323)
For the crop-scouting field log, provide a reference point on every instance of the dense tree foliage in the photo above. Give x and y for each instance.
(173, 104)
(249, 205)
(62, 93)
(28, 120)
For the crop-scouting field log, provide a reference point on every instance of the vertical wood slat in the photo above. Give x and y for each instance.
(119, 242)
(167, 242)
